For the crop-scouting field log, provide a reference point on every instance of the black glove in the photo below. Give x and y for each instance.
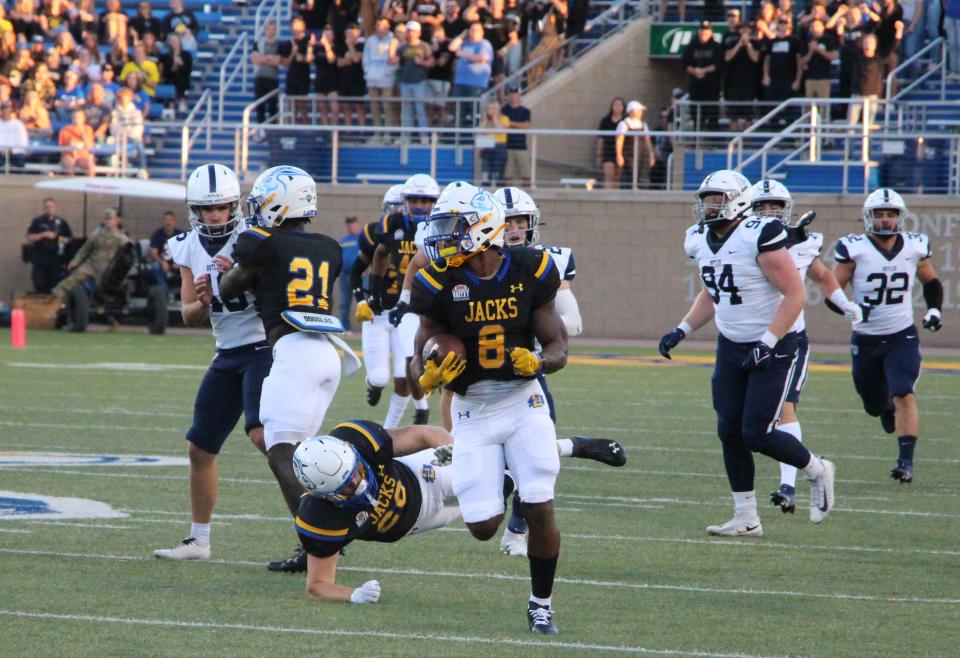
(759, 356)
(374, 296)
(397, 312)
(671, 340)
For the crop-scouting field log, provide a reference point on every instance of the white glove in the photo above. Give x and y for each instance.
(369, 592)
(442, 455)
(853, 312)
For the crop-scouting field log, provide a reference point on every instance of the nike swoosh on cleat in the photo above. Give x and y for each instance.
(909, 337)
(751, 528)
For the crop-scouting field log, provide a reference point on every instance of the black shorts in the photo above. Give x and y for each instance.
(885, 367)
(800, 371)
(295, 86)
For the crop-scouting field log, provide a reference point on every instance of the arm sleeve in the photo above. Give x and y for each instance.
(933, 294)
(773, 236)
(840, 253)
(249, 248)
(569, 311)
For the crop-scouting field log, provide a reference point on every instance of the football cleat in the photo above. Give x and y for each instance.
(821, 493)
(373, 395)
(421, 417)
(188, 549)
(903, 471)
(296, 563)
(737, 527)
(513, 543)
(604, 451)
(540, 619)
(888, 420)
(785, 497)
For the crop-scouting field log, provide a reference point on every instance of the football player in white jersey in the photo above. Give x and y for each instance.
(752, 289)
(772, 199)
(233, 382)
(882, 265)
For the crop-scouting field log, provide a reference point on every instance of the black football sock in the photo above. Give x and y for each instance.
(738, 463)
(542, 572)
(907, 444)
(516, 524)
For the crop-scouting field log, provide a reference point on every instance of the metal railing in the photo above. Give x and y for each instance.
(204, 125)
(230, 69)
(940, 66)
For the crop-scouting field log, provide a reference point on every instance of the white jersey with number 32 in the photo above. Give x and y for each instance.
(884, 279)
(235, 321)
(803, 254)
(744, 300)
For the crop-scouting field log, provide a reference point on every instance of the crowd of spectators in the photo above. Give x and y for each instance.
(75, 78)
(788, 52)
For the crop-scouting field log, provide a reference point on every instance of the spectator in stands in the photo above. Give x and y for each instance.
(315, 14)
(741, 55)
(162, 264)
(395, 11)
(889, 34)
(517, 170)
(53, 18)
(951, 23)
(13, 136)
(439, 77)
(26, 22)
(143, 68)
(782, 68)
(766, 21)
(88, 66)
(325, 80)
(267, 57)
(495, 31)
(8, 49)
(379, 70)
(180, 16)
(117, 57)
(350, 246)
(110, 85)
(145, 22)
(816, 10)
(416, 59)
(350, 75)
(511, 54)
(298, 66)
(77, 140)
(69, 97)
(35, 117)
(83, 19)
(140, 98)
(65, 45)
(56, 66)
(634, 126)
(821, 52)
(43, 84)
(606, 157)
(867, 82)
(47, 236)
(126, 125)
(472, 70)
(492, 147)
(786, 12)
(400, 33)
(114, 25)
(98, 112)
(177, 67)
(912, 33)
(681, 10)
(453, 23)
(5, 24)
(24, 63)
(343, 13)
(849, 26)
(703, 61)
(429, 14)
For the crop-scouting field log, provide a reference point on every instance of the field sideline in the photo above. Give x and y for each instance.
(637, 572)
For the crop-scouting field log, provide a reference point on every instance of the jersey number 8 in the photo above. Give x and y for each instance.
(490, 342)
(300, 290)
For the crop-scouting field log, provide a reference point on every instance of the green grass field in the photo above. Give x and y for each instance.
(637, 571)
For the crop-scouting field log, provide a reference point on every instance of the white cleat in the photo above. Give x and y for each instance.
(821, 492)
(737, 527)
(513, 543)
(188, 549)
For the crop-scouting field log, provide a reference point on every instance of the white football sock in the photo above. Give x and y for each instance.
(566, 447)
(814, 469)
(745, 503)
(788, 473)
(543, 602)
(421, 404)
(398, 404)
(200, 532)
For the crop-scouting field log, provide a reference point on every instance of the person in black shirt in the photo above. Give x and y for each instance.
(145, 21)
(889, 34)
(518, 160)
(741, 55)
(298, 66)
(440, 75)
(868, 80)
(350, 82)
(326, 80)
(159, 254)
(821, 51)
(177, 16)
(315, 14)
(703, 62)
(848, 24)
(781, 66)
(47, 237)
(606, 148)
(428, 14)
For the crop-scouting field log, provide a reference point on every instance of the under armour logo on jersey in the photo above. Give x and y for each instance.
(461, 415)
(516, 288)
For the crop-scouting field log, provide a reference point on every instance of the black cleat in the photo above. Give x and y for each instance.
(296, 563)
(903, 471)
(888, 421)
(785, 497)
(373, 395)
(421, 417)
(605, 451)
(540, 619)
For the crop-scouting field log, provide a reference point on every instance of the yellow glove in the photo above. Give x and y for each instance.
(363, 313)
(525, 362)
(435, 376)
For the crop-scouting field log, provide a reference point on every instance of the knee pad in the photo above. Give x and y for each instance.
(378, 377)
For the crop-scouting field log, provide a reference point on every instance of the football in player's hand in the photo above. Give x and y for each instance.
(440, 345)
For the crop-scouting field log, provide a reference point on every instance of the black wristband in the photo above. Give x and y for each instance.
(933, 294)
(833, 307)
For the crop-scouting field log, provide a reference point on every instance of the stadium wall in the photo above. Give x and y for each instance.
(633, 281)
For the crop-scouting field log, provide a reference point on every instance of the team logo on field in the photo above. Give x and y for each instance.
(25, 506)
(461, 293)
(362, 518)
(50, 459)
(535, 401)
(427, 473)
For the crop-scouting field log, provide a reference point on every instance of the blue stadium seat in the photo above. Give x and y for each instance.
(165, 93)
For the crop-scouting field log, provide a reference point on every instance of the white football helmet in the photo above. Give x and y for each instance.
(213, 185)
(883, 199)
(769, 190)
(517, 203)
(392, 199)
(325, 466)
(416, 192)
(282, 193)
(735, 189)
(465, 221)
